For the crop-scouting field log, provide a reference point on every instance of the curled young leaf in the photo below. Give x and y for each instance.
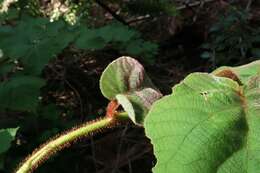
(126, 81)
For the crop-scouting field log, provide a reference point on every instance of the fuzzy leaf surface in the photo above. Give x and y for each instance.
(208, 124)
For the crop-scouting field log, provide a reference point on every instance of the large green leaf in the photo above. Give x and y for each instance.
(208, 124)
(125, 80)
(21, 93)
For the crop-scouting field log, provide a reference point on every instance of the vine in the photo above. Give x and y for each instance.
(133, 90)
(66, 139)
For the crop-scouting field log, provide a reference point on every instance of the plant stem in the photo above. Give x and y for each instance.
(64, 140)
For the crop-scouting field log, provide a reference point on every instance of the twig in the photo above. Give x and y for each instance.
(79, 98)
(193, 4)
(198, 10)
(117, 17)
(139, 18)
(119, 149)
(93, 152)
(179, 8)
(75, 91)
(249, 3)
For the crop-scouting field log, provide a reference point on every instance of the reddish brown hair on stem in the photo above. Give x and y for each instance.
(111, 108)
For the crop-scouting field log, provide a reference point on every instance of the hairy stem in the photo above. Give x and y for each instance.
(50, 148)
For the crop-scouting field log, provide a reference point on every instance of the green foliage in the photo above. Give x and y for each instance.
(126, 40)
(21, 93)
(125, 80)
(34, 41)
(208, 124)
(6, 136)
(232, 38)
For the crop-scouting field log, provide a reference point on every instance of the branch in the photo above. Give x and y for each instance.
(193, 4)
(179, 8)
(117, 17)
(66, 139)
(248, 6)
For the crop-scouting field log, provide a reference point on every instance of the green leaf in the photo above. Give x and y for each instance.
(6, 67)
(100, 37)
(11, 15)
(119, 36)
(123, 75)
(6, 136)
(35, 41)
(208, 124)
(140, 47)
(243, 72)
(21, 93)
(117, 33)
(51, 113)
(126, 81)
(88, 39)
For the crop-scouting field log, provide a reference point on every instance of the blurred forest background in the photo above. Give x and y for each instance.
(52, 53)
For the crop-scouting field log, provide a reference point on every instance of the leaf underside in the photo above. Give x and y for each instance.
(208, 124)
